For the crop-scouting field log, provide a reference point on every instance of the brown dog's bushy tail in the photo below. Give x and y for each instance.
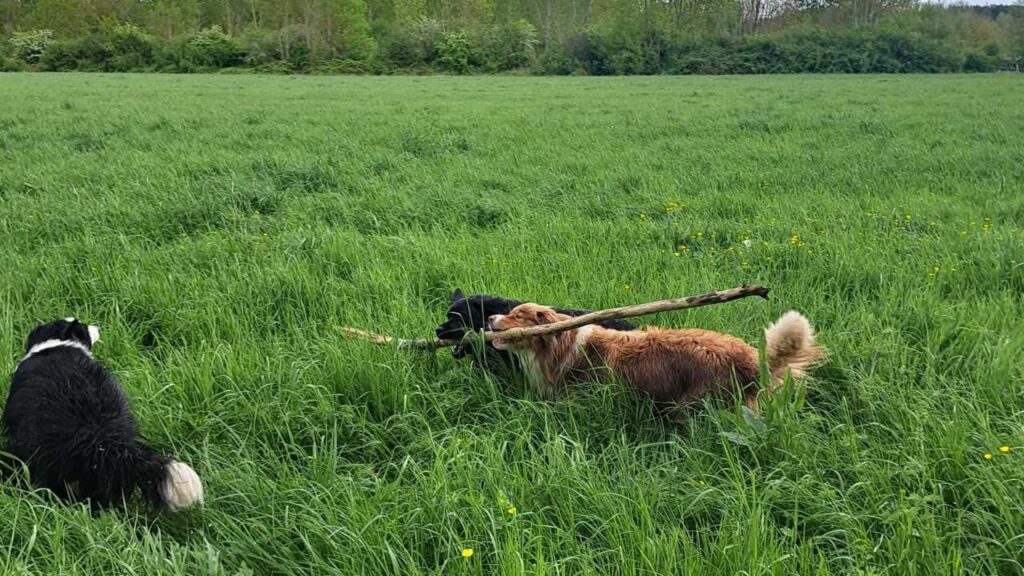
(790, 346)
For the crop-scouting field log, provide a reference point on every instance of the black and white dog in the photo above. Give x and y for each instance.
(470, 313)
(68, 420)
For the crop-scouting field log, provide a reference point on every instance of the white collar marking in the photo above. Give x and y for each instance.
(48, 344)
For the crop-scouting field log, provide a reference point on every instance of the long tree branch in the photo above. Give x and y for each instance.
(575, 322)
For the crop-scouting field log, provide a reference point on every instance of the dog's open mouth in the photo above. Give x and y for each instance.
(499, 343)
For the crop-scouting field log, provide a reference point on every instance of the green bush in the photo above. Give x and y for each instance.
(555, 61)
(980, 62)
(29, 46)
(424, 46)
(87, 54)
(171, 56)
(400, 49)
(342, 66)
(260, 46)
(212, 48)
(511, 45)
(456, 52)
(12, 65)
(128, 48)
(282, 67)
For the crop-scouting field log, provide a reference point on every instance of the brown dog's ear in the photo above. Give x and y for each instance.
(457, 295)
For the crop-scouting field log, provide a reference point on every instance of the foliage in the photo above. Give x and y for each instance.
(342, 66)
(29, 46)
(595, 37)
(415, 45)
(12, 65)
(85, 54)
(211, 48)
(456, 52)
(511, 45)
(260, 46)
(128, 48)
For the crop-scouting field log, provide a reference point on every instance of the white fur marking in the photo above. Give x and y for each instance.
(498, 343)
(790, 346)
(789, 333)
(69, 319)
(182, 488)
(48, 344)
(582, 334)
(528, 360)
(94, 333)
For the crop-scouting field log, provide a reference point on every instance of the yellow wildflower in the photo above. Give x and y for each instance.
(1004, 449)
(467, 552)
(512, 511)
(988, 456)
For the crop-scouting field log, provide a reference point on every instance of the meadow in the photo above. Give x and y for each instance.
(221, 228)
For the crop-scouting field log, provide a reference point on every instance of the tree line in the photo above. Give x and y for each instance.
(478, 36)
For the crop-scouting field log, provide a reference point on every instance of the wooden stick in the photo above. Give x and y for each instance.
(591, 318)
(418, 343)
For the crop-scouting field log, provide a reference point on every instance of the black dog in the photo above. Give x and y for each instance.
(470, 314)
(68, 420)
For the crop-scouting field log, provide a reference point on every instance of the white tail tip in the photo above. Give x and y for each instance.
(183, 488)
(792, 324)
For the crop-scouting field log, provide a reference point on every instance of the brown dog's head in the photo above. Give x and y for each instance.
(522, 316)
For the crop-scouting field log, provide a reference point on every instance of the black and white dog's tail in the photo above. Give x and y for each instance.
(167, 483)
(118, 471)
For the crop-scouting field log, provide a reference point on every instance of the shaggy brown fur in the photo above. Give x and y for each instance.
(672, 366)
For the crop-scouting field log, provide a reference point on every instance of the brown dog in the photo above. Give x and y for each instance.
(673, 366)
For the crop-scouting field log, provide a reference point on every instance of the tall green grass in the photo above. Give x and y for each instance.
(221, 229)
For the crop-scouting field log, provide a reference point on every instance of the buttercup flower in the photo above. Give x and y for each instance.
(988, 456)
(512, 511)
(1004, 449)
(467, 552)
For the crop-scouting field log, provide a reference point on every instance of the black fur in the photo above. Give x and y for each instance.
(68, 420)
(470, 313)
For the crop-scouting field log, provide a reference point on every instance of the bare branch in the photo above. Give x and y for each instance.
(416, 344)
(591, 318)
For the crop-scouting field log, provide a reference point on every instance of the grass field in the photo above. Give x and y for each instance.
(221, 228)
